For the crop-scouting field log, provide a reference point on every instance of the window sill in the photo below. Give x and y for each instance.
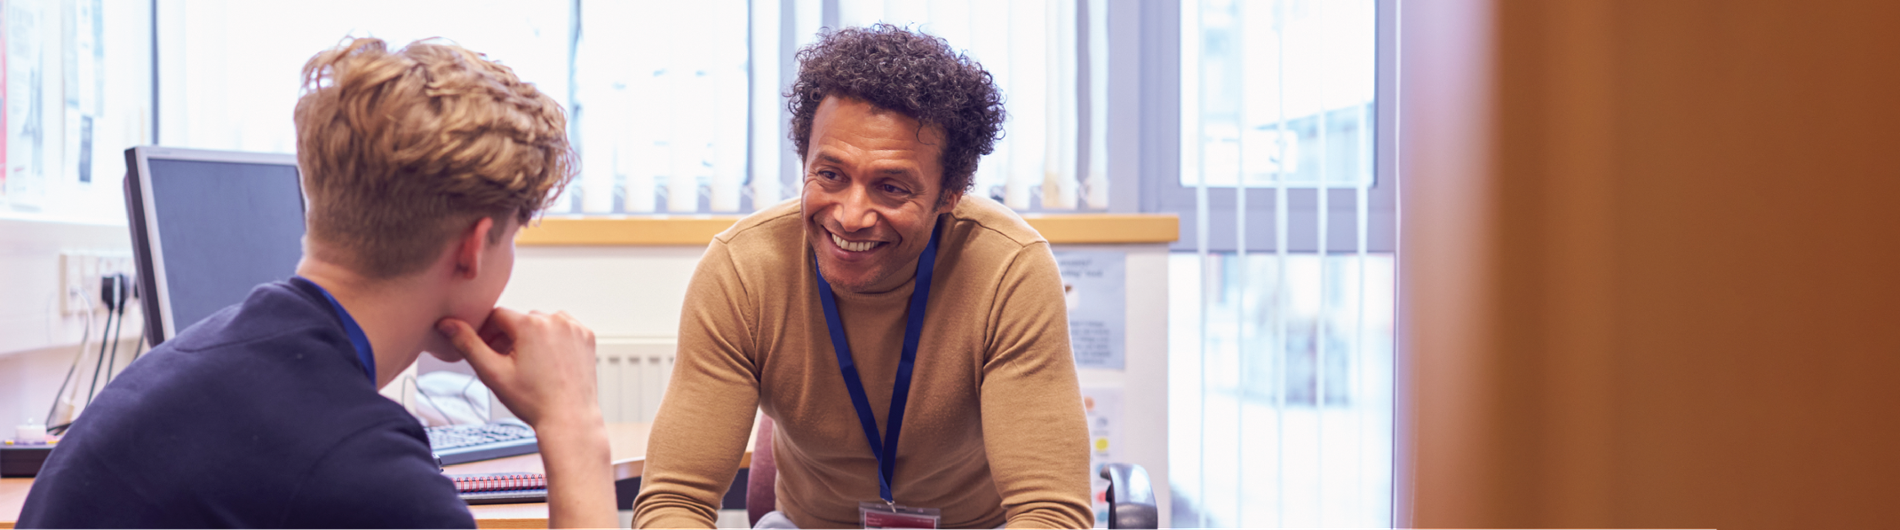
(697, 230)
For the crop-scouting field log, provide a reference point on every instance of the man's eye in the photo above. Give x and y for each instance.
(827, 175)
(894, 190)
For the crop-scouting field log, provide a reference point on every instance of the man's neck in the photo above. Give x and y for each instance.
(903, 275)
(387, 310)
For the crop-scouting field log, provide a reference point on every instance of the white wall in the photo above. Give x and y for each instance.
(623, 293)
(30, 288)
(37, 341)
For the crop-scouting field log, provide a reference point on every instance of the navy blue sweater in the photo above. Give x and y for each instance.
(259, 416)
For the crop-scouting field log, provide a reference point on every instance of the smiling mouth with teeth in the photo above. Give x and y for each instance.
(854, 246)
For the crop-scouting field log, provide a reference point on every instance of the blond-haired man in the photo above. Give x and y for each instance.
(419, 165)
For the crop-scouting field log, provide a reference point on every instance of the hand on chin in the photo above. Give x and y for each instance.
(442, 349)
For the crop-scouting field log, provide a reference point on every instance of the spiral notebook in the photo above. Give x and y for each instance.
(501, 488)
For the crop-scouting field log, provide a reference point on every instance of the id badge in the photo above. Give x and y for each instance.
(882, 515)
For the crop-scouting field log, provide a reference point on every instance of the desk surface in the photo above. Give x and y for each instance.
(629, 447)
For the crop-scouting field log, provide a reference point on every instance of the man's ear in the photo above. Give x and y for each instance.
(470, 245)
(948, 201)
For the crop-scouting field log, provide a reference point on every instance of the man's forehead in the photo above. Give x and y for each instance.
(927, 133)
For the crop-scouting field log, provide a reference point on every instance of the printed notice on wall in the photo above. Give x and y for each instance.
(1094, 285)
(1104, 409)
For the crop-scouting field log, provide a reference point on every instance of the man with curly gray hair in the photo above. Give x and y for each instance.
(908, 343)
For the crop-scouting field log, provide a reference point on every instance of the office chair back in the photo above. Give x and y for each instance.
(761, 493)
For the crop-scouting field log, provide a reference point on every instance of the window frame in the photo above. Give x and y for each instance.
(1145, 145)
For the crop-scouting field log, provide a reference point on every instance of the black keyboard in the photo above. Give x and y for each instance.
(506, 497)
(455, 444)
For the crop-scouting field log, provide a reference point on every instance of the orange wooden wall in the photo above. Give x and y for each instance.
(1650, 263)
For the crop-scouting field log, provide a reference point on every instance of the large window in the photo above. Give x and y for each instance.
(661, 95)
(1281, 290)
(230, 70)
(675, 107)
(1279, 81)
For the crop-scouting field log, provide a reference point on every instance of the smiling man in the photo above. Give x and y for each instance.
(909, 341)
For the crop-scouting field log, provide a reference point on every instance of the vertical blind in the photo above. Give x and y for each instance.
(718, 145)
(1033, 50)
(229, 71)
(674, 107)
(1280, 371)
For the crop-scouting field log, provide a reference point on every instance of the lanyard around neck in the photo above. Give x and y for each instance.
(358, 340)
(886, 449)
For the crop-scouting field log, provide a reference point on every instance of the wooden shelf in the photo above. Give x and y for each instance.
(697, 230)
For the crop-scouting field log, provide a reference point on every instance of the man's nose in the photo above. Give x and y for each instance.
(854, 210)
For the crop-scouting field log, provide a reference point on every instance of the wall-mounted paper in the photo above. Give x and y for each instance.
(1094, 284)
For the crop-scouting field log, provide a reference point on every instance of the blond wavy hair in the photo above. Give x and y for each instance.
(400, 150)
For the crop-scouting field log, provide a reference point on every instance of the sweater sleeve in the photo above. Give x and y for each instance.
(381, 477)
(1034, 427)
(700, 431)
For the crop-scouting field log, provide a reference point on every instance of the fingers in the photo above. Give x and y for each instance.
(463, 338)
(540, 365)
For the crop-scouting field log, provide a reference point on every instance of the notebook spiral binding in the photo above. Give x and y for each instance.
(500, 488)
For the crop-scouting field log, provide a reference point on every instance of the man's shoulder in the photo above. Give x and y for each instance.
(272, 348)
(772, 226)
(272, 310)
(992, 222)
(985, 236)
(771, 239)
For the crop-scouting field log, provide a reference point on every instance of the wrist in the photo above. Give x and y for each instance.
(579, 418)
(573, 432)
(576, 450)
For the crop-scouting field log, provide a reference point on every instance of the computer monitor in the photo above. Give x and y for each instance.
(207, 227)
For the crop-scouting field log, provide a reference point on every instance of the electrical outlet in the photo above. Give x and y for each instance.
(80, 273)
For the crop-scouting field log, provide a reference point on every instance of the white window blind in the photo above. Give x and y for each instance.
(1035, 50)
(661, 105)
(1281, 365)
(674, 107)
(230, 70)
(720, 144)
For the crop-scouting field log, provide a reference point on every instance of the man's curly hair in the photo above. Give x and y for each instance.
(914, 74)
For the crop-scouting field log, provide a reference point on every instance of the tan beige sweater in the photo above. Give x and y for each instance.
(994, 430)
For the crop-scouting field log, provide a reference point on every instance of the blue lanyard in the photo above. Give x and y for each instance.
(885, 450)
(357, 338)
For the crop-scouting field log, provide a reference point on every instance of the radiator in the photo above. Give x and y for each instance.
(633, 375)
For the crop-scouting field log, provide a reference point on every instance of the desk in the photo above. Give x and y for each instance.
(12, 497)
(628, 442)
